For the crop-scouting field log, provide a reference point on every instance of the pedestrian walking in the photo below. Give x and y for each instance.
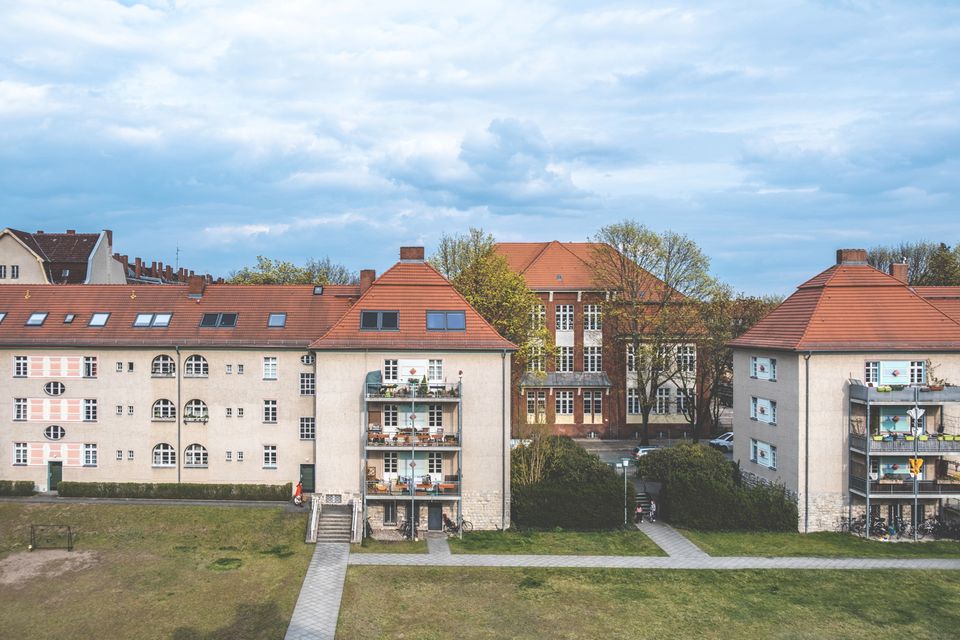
(638, 518)
(653, 511)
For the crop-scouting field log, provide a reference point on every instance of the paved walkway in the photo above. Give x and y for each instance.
(671, 541)
(437, 544)
(315, 616)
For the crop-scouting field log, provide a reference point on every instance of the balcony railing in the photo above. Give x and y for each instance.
(904, 395)
(404, 391)
(400, 488)
(939, 444)
(905, 487)
(406, 438)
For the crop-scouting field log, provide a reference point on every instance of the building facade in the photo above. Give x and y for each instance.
(842, 385)
(258, 384)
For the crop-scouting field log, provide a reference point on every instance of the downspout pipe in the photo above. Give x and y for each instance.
(806, 444)
(179, 412)
(503, 439)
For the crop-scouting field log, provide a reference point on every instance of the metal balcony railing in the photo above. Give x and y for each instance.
(404, 391)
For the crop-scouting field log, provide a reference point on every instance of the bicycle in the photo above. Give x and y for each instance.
(407, 530)
(451, 527)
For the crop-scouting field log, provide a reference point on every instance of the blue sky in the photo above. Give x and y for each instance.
(771, 133)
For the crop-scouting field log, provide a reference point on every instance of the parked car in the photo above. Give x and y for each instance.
(724, 442)
(640, 451)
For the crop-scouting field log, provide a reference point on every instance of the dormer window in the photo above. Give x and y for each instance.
(277, 320)
(99, 320)
(446, 321)
(222, 320)
(379, 320)
(36, 319)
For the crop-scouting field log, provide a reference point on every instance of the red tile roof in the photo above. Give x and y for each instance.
(412, 288)
(60, 251)
(308, 315)
(854, 307)
(551, 266)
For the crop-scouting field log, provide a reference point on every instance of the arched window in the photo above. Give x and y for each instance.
(163, 366)
(164, 409)
(195, 456)
(196, 367)
(54, 388)
(164, 455)
(54, 432)
(195, 411)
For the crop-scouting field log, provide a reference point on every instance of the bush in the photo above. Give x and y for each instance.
(16, 488)
(701, 490)
(187, 491)
(576, 491)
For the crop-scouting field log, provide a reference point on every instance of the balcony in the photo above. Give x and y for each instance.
(903, 445)
(409, 438)
(405, 392)
(904, 395)
(904, 488)
(401, 488)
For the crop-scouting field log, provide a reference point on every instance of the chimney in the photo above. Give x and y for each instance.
(899, 270)
(138, 267)
(851, 256)
(39, 232)
(195, 286)
(411, 253)
(71, 232)
(367, 276)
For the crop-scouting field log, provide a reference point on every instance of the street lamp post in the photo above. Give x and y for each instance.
(915, 414)
(624, 464)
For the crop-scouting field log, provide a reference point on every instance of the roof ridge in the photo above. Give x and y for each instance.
(539, 255)
(807, 322)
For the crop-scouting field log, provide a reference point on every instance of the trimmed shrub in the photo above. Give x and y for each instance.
(16, 488)
(182, 491)
(701, 490)
(577, 491)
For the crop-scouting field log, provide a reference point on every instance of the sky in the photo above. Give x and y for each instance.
(771, 133)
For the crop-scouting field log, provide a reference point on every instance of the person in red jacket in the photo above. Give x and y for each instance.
(298, 495)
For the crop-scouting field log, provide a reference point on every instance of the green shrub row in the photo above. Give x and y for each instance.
(701, 490)
(188, 491)
(16, 488)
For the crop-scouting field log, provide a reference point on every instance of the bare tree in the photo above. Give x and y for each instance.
(917, 255)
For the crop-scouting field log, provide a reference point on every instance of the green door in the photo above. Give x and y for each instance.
(306, 477)
(54, 475)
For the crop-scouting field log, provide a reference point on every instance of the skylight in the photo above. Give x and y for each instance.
(278, 320)
(99, 320)
(162, 319)
(219, 320)
(68, 319)
(3, 314)
(379, 320)
(36, 319)
(143, 320)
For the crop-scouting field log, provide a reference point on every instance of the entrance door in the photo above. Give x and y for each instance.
(307, 477)
(434, 519)
(54, 475)
(593, 407)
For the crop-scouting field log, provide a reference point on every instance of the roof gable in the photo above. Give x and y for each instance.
(552, 266)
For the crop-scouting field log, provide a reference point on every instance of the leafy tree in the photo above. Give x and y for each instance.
(944, 268)
(269, 271)
(657, 281)
(917, 255)
(457, 253)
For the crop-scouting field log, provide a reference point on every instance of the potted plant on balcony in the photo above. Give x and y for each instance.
(933, 382)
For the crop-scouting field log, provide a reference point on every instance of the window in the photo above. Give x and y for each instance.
(446, 321)
(435, 415)
(663, 400)
(3, 314)
(683, 400)
(162, 319)
(152, 320)
(229, 456)
(69, 318)
(3, 271)
(918, 369)
(564, 315)
(54, 388)
(130, 410)
(564, 359)
(19, 453)
(390, 415)
(270, 411)
(195, 411)
(379, 320)
(162, 366)
(591, 317)
(564, 403)
(98, 320)
(631, 360)
(164, 455)
(308, 384)
(763, 454)
(239, 369)
(239, 456)
(36, 319)
(130, 367)
(592, 359)
(434, 462)
(229, 412)
(435, 370)
(196, 367)
(89, 455)
(536, 407)
(229, 369)
(270, 368)
(390, 462)
(239, 412)
(389, 512)
(308, 359)
(119, 409)
(687, 358)
(538, 316)
(19, 408)
(129, 454)
(119, 367)
(277, 320)
(20, 367)
(269, 456)
(195, 456)
(14, 271)
(763, 368)
(119, 454)
(218, 320)
(143, 320)
(164, 409)
(54, 432)
(389, 370)
(763, 410)
(308, 428)
(633, 401)
(89, 366)
(536, 362)
(593, 404)
(89, 410)
(871, 371)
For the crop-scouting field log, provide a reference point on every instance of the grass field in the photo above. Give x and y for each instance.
(822, 544)
(369, 545)
(606, 543)
(152, 572)
(385, 602)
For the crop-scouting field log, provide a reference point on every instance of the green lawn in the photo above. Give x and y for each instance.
(823, 544)
(370, 545)
(605, 543)
(385, 602)
(154, 572)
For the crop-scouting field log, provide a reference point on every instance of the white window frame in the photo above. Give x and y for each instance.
(390, 370)
(54, 432)
(757, 414)
(661, 405)
(563, 403)
(90, 410)
(196, 410)
(196, 366)
(564, 359)
(21, 366)
(538, 316)
(20, 409)
(683, 398)
(434, 462)
(391, 462)
(163, 366)
(755, 371)
(435, 415)
(229, 412)
(21, 453)
(89, 454)
(631, 360)
(99, 319)
(163, 455)
(308, 428)
(592, 403)
(308, 384)
(435, 370)
(390, 415)
(89, 366)
(687, 358)
(163, 410)
(593, 359)
(308, 359)
(563, 315)
(14, 271)
(54, 388)
(592, 318)
(918, 372)
(633, 401)
(536, 362)
(195, 456)
(269, 367)
(270, 411)
(871, 372)
(754, 446)
(269, 456)
(537, 405)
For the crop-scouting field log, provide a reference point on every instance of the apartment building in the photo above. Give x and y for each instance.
(588, 387)
(839, 388)
(267, 384)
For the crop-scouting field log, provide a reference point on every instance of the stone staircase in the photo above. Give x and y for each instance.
(335, 520)
(644, 500)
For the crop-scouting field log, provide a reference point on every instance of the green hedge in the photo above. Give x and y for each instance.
(575, 490)
(16, 488)
(188, 491)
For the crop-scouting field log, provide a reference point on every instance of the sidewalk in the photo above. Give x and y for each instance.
(318, 606)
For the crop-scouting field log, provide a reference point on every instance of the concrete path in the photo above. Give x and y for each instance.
(437, 544)
(315, 616)
(671, 541)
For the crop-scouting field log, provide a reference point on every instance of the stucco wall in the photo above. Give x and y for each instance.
(102, 268)
(14, 253)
